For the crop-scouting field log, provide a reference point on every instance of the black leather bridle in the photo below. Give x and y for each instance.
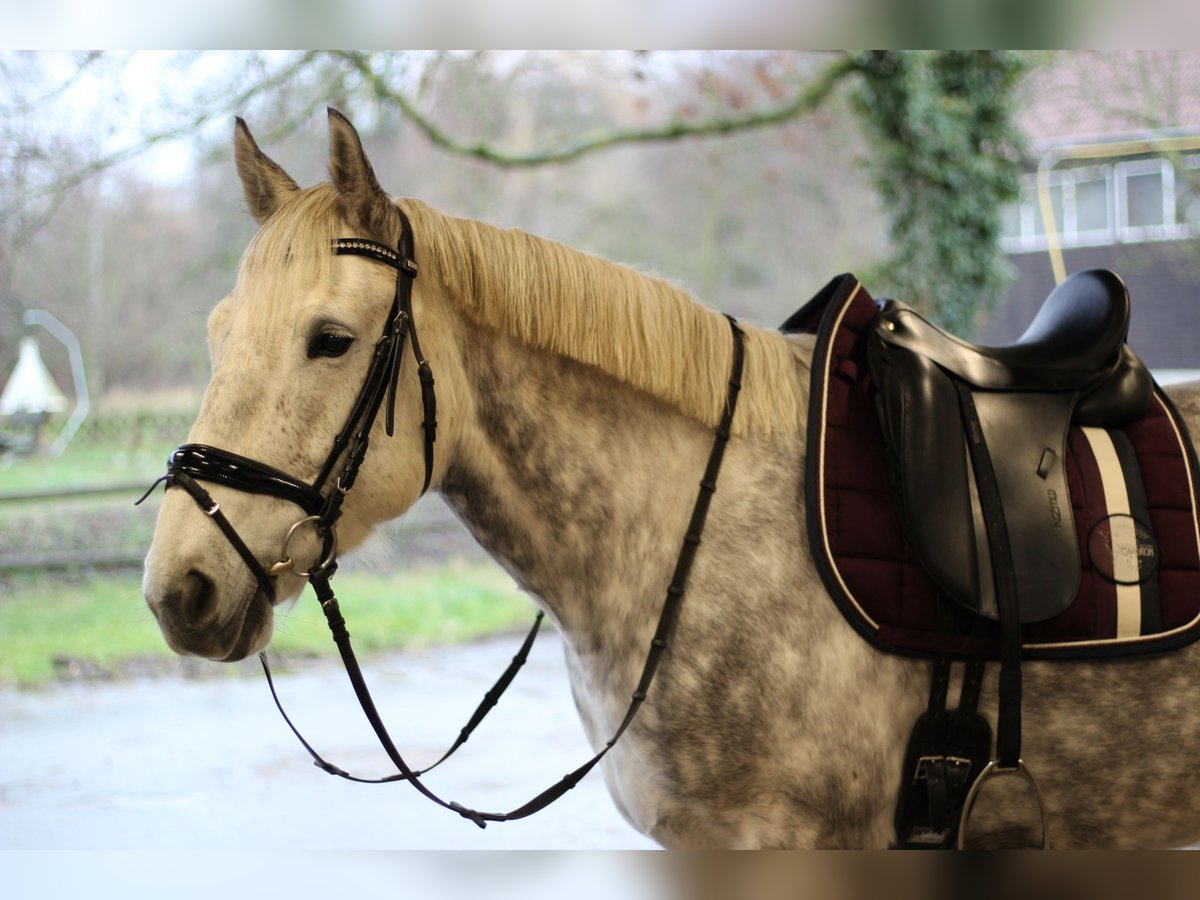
(321, 501)
(322, 504)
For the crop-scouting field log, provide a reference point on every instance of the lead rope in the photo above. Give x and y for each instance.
(667, 622)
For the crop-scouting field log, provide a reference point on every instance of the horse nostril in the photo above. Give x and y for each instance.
(198, 601)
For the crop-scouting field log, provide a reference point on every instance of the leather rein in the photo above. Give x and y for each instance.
(194, 462)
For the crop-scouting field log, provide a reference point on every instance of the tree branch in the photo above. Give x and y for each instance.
(809, 99)
(74, 178)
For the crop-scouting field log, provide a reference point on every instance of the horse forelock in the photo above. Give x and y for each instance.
(295, 243)
(639, 329)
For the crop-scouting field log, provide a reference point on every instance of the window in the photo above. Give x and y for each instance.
(1187, 194)
(1093, 205)
(1126, 201)
(1058, 185)
(1146, 198)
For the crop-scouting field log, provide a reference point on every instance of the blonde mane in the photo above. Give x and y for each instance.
(641, 330)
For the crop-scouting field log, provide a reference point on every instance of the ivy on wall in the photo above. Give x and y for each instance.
(945, 158)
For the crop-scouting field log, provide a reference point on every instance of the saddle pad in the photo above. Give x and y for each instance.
(1132, 489)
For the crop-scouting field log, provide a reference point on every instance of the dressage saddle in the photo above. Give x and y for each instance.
(977, 442)
(971, 503)
(976, 438)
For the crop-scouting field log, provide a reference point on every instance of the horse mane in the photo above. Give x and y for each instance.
(639, 329)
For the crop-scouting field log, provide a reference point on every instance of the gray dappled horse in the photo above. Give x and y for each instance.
(576, 401)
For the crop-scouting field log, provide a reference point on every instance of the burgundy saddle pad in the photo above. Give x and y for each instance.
(1133, 495)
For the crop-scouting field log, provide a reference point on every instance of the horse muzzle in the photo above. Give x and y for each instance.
(196, 620)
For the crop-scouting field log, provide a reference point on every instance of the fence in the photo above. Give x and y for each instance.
(93, 527)
(133, 427)
(99, 528)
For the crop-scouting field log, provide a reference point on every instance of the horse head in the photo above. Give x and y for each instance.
(290, 347)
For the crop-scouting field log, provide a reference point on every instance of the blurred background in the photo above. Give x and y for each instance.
(964, 182)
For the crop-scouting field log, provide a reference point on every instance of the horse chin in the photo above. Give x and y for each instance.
(240, 636)
(255, 631)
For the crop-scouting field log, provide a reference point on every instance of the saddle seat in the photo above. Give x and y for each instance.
(1075, 342)
(942, 402)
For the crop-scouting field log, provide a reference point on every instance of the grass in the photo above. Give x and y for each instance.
(85, 463)
(101, 624)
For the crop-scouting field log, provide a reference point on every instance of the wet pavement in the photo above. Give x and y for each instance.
(191, 765)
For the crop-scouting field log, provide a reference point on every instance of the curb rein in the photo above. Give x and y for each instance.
(192, 462)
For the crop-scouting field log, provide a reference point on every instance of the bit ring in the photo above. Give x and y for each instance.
(328, 539)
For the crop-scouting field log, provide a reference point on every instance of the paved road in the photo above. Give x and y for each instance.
(194, 765)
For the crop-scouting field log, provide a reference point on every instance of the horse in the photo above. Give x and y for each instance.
(576, 405)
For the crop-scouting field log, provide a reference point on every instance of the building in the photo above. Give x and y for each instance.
(1116, 139)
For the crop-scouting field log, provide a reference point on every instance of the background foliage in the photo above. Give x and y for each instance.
(739, 174)
(946, 156)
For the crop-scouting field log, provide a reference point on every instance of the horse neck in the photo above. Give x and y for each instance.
(579, 485)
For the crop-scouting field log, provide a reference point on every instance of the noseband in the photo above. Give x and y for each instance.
(192, 463)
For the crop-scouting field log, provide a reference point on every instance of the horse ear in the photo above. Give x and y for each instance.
(266, 186)
(364, 202)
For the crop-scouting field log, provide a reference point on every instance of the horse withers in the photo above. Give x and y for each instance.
(576, 405)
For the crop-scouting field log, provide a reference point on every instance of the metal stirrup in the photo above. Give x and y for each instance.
(994, 770)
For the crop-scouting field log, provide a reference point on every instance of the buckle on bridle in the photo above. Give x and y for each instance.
(328, 536)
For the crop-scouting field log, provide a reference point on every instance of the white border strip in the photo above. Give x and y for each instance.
(1124, 534)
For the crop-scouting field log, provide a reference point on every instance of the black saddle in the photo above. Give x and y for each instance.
(977, 439)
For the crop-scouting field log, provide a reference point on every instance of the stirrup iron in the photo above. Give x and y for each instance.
(994, 770)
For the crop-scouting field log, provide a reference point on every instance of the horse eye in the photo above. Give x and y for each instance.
(329, 343)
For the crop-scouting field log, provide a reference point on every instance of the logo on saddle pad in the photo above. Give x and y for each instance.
(1123, 549)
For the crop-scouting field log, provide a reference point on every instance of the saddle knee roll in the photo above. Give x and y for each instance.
(918, 411)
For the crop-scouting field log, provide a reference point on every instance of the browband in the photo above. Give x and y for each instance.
(377, 251)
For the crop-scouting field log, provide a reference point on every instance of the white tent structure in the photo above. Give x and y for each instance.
(31, 389)
(31, 392)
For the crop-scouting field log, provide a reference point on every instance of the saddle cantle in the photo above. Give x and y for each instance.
(1143, 522)
(1017, 402)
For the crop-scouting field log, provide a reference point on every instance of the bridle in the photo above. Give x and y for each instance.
(321, 500)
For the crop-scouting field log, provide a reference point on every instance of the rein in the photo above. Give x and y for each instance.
(193, 462)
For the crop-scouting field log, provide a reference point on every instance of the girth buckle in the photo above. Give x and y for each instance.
(960, 764)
